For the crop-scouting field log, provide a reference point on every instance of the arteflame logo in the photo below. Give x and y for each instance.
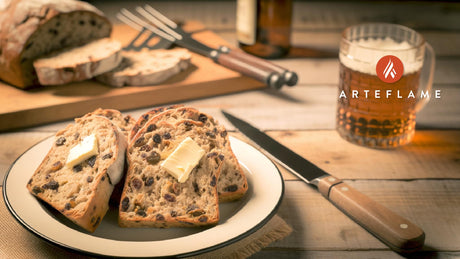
(389, 69)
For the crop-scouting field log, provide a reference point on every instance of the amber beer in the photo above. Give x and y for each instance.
(371, 112)
(376, 122)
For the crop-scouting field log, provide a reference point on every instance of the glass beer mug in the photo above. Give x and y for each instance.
(386, 73)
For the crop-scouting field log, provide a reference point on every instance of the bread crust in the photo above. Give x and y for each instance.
(232, 184)
(152, 197)
(29, 29)
(81, 195)
(144, 118)
(147, 67)
(124, 122)
(72, 65)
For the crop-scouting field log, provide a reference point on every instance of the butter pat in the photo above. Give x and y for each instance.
(183, 159)
(82, 151)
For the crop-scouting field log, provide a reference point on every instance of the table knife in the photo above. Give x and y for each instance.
(396, 232)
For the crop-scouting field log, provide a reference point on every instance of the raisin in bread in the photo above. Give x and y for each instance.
(124, 123)
(32, 28)
(232, 184)
(81, 192)
(147, 67)
(78, 63)
(146, 117)
(152, 196)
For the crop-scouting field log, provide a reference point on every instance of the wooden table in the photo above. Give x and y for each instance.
(419, 181)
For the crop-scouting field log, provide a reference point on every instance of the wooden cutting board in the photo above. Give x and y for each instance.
(20, 108)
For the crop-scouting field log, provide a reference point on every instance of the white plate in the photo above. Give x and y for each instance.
(238, 219)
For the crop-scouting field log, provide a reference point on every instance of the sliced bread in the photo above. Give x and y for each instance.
(124, 122)
(78, 63)
(232, 183)
(147, 67)
(33, 28)
(152, 196)
(147, 116)
(81, 191)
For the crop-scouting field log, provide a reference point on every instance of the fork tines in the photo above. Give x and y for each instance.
(146, 21)
(159, 20)
(145, 28)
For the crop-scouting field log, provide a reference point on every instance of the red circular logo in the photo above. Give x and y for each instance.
(389, 69)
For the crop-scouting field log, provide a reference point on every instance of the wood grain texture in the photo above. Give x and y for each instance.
(434, 205)
(299, 108)
(399, 233)
(432, 154)
(310, 15)
(313, 107)
(14, 144)
(325, 44)
(302, 254)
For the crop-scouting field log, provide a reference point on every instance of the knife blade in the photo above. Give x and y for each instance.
(396, 232)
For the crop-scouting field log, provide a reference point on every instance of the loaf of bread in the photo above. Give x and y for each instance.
(152, 196)
(78, 63)
(232, 183)
(81, 190)
(147, 67)
(33, 28)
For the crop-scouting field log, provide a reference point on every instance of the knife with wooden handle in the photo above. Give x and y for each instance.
(396, 232)
(269, 77)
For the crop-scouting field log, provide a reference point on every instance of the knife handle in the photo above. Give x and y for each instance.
(268, 77)
(290, 77)
(395, 231)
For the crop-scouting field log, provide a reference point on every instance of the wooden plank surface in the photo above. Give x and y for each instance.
(366, 254)
(431, 155)
(313, 107)
(310, 15)
(434, 205)
(19, 108)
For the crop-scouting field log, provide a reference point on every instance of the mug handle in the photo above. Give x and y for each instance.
(426, 77)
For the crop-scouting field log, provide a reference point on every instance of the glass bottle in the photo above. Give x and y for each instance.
(264, 27)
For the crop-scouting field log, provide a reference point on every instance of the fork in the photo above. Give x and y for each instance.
(260, 69)
(289, 77)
